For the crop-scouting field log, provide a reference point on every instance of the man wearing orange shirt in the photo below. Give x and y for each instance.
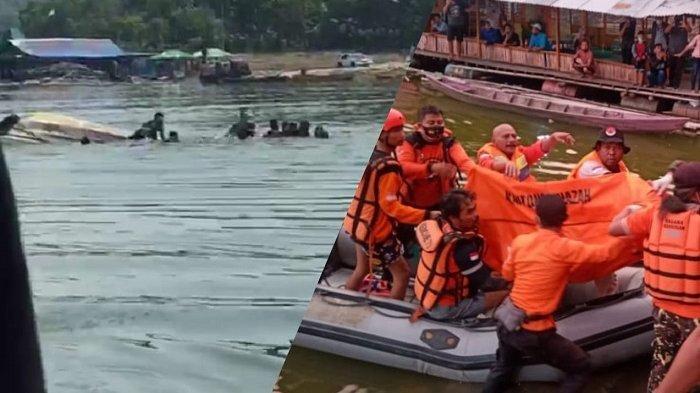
(539, 264)
(606, 157)
(671, 233)
(430, 159)
(375, 210)
(505, 154)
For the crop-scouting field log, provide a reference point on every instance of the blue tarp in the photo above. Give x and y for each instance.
(68, 48)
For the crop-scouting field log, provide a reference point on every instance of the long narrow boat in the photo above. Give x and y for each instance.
(375, 329)
(534, 103)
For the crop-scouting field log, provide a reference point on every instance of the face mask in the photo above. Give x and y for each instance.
(434, 132)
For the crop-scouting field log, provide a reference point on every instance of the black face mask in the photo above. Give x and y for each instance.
(434, 132)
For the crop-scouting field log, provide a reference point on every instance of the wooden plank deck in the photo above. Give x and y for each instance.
(516, 61)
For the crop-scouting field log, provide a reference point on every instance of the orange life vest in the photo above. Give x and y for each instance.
(518, 159)
(592, 156)
(364, 209)
(672, 262)
(426, 193)
(438, 278)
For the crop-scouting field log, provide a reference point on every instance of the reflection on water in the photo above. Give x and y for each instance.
(184, 268)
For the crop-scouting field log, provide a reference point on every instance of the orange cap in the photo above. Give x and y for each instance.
(393, 120)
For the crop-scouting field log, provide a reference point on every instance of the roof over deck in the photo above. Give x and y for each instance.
(633, 8)
(68, 48)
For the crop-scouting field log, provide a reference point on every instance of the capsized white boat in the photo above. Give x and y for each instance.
(375, 329)
(51, 127)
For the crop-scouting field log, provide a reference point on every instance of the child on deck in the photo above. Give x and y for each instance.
(639, 54)
(584, 62)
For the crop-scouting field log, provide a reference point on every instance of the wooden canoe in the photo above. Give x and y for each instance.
(534, 103)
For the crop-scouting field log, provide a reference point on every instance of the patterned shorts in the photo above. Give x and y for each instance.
(670, 331)
(387, 252)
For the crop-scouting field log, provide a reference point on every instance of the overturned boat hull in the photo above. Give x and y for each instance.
(51, 127)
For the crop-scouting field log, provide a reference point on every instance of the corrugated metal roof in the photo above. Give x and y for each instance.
(633, 8)
(68, 47)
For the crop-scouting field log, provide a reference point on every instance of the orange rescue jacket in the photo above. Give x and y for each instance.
(672, 262)
(438, 278)
(375, 207)
(539, 264)
(423, 189)
(519, 159)
(592, 156)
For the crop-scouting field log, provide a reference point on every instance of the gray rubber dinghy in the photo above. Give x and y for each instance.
(377, 329)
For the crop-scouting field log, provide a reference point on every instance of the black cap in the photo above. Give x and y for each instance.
(159, 114)
(611, 134)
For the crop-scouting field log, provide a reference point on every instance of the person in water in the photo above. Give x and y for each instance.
(505, 154)
(451, 274)
(539, 264)
(243, 128)
(8, 123)
(151, 129)
(671, 229)
(320, 132)
(376, 209)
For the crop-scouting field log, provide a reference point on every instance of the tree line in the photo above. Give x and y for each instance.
(235, 25)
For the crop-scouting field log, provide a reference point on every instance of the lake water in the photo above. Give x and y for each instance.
(187, 268)
(183, 267)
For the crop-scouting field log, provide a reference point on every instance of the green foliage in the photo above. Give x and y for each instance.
(236, 25)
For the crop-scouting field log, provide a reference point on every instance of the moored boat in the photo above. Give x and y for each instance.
(534, 103)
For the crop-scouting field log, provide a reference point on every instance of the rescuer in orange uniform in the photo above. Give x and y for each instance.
(505, 154)
(606, 157)
(672, 263)
(451, 272)
(431, 158)
(539, 264)
(375, 210)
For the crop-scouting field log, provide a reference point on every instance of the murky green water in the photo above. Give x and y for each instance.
(183, 268)
(187, 268)
(308, 371)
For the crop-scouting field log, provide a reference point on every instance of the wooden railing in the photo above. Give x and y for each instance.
(546, 60)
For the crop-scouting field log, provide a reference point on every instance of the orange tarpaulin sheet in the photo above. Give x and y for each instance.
(507, 208)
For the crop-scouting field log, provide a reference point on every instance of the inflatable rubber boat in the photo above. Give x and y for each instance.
(51, 127)
(376, 329)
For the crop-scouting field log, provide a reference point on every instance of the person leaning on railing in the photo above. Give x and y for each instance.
(510, 37)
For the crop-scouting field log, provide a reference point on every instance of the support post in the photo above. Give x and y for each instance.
(478, 28)
(558, 39)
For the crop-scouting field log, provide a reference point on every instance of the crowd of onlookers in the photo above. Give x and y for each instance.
(659, 56)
